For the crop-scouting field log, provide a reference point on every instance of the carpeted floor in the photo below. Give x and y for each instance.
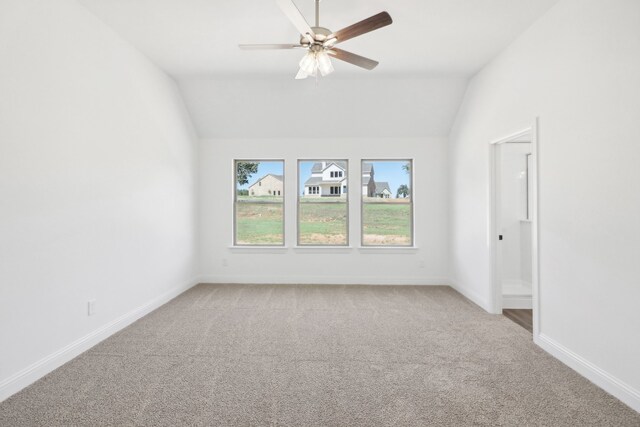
(316, 355)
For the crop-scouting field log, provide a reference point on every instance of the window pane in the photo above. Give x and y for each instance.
(259, 202)
(322, 207)
(387, 203)
(322, 223)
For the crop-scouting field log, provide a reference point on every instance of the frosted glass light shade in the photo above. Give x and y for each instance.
(324, 64)
(309, 63)
(313, 62)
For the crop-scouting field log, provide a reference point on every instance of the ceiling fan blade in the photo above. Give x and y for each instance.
(268, 46)
(380, 20)
(352, 58)
(293, 13)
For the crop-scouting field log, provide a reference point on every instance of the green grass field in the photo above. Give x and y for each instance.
(259, 221)
(386, 224)
(322, 221)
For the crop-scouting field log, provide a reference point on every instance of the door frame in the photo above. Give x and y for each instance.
(494, 175)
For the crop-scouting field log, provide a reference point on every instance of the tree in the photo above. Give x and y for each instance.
(244, 170)
(403, 191)
(407, 168)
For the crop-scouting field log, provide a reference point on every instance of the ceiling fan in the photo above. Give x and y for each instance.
(320, 42)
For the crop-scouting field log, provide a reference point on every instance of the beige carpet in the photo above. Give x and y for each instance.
(316, 355)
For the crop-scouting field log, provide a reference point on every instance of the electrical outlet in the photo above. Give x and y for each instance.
(91, 307)
(225, 263)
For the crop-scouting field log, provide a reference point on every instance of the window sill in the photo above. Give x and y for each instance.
(388, 249)
(258, 249)
(322, 249)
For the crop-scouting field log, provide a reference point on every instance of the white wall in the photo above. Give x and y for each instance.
(578, 69)
(361, 106)
(347, 265)
(97, 186)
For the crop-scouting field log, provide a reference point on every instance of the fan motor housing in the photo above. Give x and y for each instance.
(321, 35)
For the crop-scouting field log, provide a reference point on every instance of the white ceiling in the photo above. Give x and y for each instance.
(428, 37)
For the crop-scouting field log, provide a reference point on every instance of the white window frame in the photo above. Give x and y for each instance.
(412, 203)
(298, 196)
(234, 196)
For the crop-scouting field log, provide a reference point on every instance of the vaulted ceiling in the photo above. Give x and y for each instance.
(438, 44)
(427, 36)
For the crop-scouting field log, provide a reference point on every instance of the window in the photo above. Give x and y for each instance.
(259, 205)
(387, 203)
(322, 207)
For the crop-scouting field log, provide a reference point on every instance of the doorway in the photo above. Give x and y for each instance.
(513, 228)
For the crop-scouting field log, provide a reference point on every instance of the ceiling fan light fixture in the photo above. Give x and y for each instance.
(313, 62)
(324, 64)
(309, 63)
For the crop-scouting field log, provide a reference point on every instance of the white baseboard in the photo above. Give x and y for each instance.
(325, 280)
(37, 370)
(599, 377)
(472, 296)
(517, 301)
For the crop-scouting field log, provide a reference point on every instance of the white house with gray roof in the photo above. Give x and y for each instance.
(329, 179)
